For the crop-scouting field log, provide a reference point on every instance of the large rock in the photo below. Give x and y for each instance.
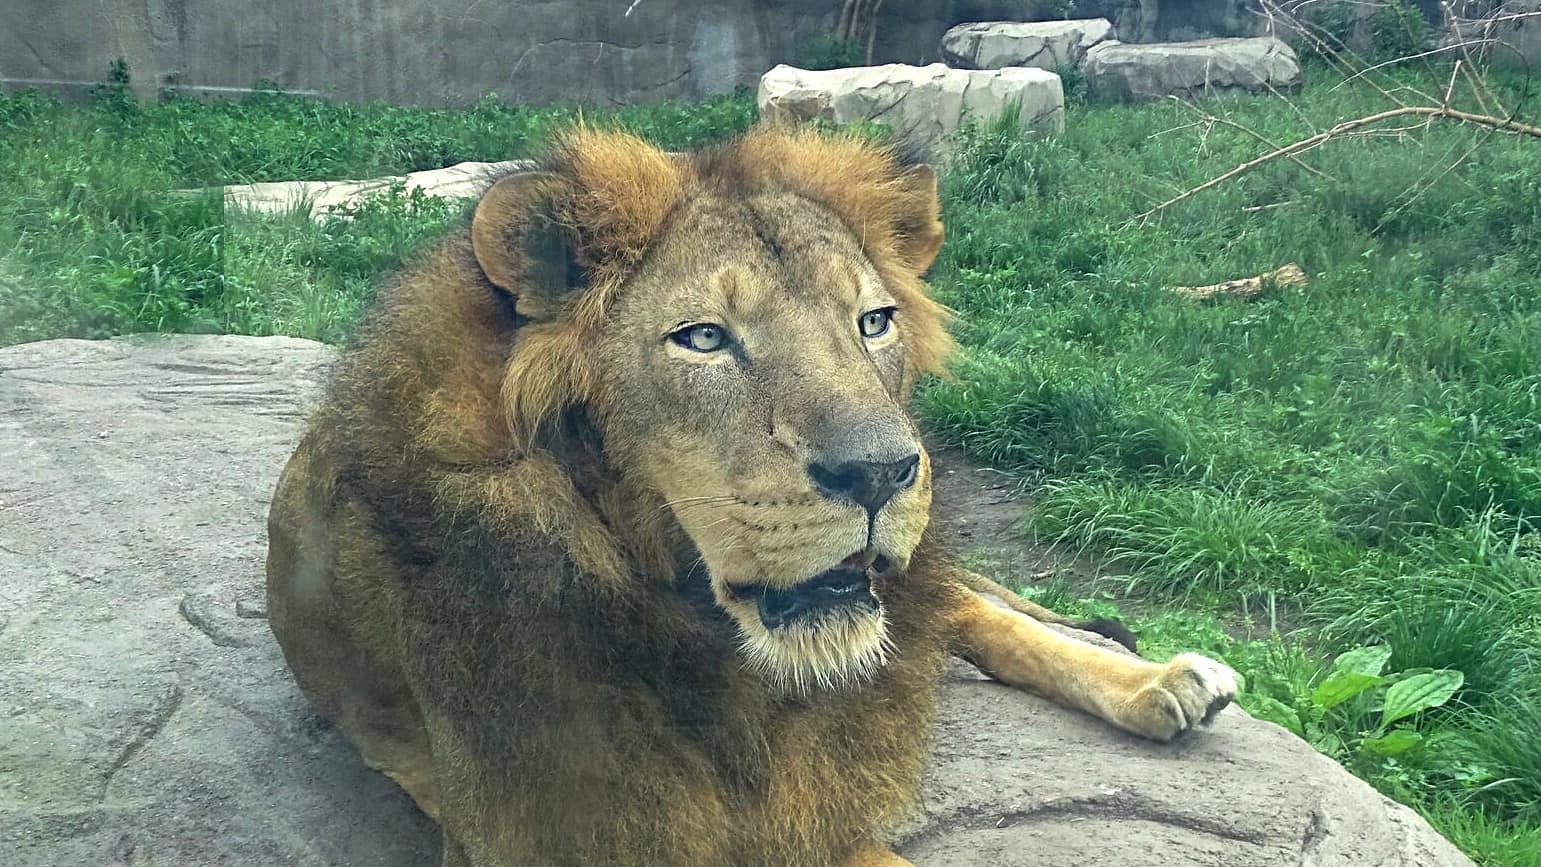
(1051, 45)
(148, 718)
(923, 103)
(1124, 71)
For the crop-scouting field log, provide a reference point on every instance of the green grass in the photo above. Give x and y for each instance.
(95, 241)
(1356, 462)
(1359, 458)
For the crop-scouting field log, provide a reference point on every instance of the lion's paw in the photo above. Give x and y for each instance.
(1186, 692)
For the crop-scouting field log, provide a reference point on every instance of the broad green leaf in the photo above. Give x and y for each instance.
(1394, 743)
(1340, 686)
(1364, 660)
(1419, 693)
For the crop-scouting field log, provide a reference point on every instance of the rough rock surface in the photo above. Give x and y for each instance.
(148, 718)
(460, 181)
(1120, 70)
(1051, 45)
(925, 103)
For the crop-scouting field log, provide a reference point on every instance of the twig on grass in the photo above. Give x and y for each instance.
(1250, 287)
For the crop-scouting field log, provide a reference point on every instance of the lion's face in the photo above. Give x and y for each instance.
(751, 369)
(758, 374)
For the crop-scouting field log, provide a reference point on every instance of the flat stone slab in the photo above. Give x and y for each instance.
(1051, 45)
(148, 718)
(925, 104)
(460, 181)
(1203, 67)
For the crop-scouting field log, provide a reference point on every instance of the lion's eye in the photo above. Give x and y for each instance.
(875, 323)
(705, 337)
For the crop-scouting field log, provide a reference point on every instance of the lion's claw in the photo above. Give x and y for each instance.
(1187, 692)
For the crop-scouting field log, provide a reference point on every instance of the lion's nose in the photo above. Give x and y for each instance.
(869, 484)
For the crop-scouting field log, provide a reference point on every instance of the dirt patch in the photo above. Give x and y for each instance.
(981, 511)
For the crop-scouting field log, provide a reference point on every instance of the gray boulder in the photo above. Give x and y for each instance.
(1051, 45)
(1129, 72)
(149, 719)
(924, 103)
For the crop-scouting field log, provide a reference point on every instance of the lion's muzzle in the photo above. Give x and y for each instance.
(847, 588)
(833, 590)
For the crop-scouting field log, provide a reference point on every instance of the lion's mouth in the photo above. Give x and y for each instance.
(846, 586)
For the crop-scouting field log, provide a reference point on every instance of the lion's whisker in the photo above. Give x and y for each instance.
(687, 502)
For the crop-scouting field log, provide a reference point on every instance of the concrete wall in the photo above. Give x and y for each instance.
(447, 52)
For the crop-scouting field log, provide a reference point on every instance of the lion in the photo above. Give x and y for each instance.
(609, 540)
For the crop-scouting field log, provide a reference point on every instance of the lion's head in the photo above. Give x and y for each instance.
(744, 327)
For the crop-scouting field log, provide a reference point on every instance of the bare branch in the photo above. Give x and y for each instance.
(1213, 119)
(1418, 191)
(1449, 89)
(1394, 61)
(1431, 112)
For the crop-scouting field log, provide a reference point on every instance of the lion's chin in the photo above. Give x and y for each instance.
(840, 649)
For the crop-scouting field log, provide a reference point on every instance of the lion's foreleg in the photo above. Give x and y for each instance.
(1150, 699)
(989, 587)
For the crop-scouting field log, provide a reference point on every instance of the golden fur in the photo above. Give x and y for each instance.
(518, 553)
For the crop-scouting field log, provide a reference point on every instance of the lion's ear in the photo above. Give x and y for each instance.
(918, 229)
(518, 243)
